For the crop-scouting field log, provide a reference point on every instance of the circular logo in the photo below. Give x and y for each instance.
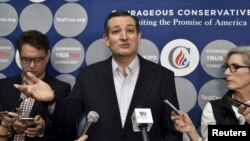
(148, 50)
(2, 76)
(212, 57)
(29, 18)
(67, 78)
(37, 1)
(7, 53)
(18, 59)
(212, 90)
(180, 56)
(97, 51)
(4, 0)
(70, 22)
(71, 0)
(8, 19)
(186, 94)
(67, 55)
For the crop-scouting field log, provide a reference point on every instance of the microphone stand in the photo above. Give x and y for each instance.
(144, 132)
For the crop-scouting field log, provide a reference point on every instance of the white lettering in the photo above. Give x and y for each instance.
(216, 132)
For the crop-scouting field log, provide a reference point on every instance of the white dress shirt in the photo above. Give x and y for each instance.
(125, 81)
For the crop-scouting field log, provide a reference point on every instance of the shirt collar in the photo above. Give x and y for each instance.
(132, 67)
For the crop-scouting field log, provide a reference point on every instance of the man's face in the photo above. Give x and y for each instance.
(123, 38)
(33, 60)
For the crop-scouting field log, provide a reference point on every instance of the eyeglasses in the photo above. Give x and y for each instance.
(28, 60)
(233, 67)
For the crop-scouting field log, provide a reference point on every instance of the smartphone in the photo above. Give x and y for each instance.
(172, 107)
(28, 121)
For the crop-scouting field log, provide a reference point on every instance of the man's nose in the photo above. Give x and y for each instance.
(124, 35)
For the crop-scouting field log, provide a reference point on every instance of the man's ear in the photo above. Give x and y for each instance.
(48, 56)
(139, 37)
(106, 40)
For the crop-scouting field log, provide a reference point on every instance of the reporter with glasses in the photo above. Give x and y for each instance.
(33, 47)
(222, 111)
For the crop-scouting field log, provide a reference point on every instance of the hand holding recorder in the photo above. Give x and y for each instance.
(172, 107)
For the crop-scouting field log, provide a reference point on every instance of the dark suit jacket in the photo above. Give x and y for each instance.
(9, 96)
(94, 90)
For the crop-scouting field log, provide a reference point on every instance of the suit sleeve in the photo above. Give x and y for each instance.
(171, 95)
(68, 110)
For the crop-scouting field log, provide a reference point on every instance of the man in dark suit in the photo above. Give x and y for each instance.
(33, 48)
(115, 87)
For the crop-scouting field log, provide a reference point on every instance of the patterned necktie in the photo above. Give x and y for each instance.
(25, 108)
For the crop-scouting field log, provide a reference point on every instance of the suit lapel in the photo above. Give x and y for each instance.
(104, 77)
(15, 94)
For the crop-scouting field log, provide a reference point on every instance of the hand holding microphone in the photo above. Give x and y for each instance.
(82, 138)
(92, 117)
(142, 121)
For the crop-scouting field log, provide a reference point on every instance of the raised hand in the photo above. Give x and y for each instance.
(36, 88)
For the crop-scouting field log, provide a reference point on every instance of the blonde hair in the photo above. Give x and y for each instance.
(244, 51)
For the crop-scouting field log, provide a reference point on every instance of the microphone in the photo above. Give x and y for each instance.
(92, 117)
(142, 121)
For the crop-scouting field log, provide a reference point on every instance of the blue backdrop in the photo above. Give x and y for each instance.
(189, 37)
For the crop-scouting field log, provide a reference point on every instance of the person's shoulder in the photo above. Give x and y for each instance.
(216, 103)
(97, 65)
(223, 100)
(153, 65)
(50, 79)
(10, 79)
(56, 84)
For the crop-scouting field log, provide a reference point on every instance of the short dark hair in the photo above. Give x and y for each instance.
(34, 38)
(120, 13)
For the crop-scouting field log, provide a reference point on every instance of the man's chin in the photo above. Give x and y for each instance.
(230, 87)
